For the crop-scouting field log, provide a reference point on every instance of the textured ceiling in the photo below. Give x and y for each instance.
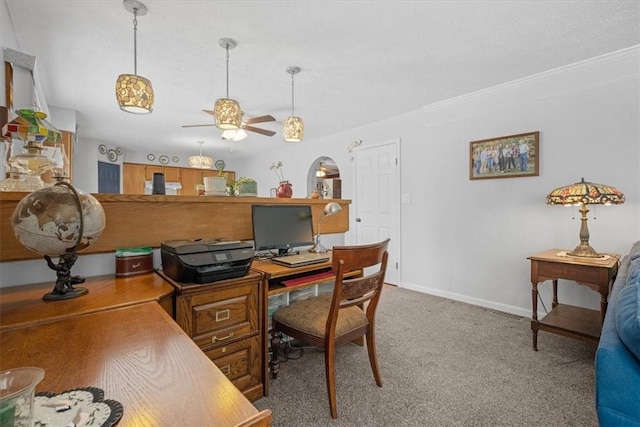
(361, 61)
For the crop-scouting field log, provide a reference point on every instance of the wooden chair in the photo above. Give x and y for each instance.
(330, 320)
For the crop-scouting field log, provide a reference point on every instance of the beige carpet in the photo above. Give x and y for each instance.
(443, 363)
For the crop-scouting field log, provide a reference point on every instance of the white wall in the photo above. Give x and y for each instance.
(469, 240)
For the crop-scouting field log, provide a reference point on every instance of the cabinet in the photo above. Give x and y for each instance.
(135, 174)
(226, 320)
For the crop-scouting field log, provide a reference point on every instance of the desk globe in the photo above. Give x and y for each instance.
(59, 221)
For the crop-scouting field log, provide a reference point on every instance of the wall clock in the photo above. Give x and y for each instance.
(151, 157)
(220, 164)
(112, 155)
(163, 159)
(175, 159)
(102, 149)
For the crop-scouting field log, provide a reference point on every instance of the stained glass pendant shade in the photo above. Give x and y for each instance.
(581, 194)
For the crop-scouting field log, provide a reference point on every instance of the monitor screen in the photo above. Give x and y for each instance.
(281, 227)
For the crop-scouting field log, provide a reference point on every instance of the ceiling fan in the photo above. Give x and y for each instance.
(245, 124)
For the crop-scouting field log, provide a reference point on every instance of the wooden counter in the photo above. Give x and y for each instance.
(148, 220)
(140, 357)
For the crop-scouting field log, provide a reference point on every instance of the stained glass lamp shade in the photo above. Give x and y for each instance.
(581, 194)
(31, 127)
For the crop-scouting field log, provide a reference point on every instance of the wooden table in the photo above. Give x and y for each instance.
(130, 347)
(576, 322)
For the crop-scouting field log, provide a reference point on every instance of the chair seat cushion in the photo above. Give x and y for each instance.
(310, 316)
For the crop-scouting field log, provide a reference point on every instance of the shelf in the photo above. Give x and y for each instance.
(573, 321)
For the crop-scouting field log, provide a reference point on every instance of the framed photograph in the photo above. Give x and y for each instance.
(505, 157)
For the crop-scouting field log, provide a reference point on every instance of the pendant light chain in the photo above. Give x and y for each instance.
(227, 48)
(135, 41)
(292, 97)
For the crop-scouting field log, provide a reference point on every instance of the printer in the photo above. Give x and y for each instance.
(205, 260)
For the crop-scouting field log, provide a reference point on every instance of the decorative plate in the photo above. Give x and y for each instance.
(86, 407)
(151, 157)
(119, 151)
(102, 149)
(112, 155)
(163, 159)
(175, 159)
(220, 164)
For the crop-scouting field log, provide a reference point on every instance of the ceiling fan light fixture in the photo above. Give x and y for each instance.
(234, 134)
(227, 113)
(133, 92)
(200, 161)
(292, 127)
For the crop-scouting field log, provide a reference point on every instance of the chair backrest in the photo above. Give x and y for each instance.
(358, 290)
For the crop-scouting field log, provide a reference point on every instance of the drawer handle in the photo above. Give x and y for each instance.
(222, 315)
(215, 337)
(226, 369)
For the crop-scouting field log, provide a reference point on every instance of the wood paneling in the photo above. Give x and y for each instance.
(148, 220)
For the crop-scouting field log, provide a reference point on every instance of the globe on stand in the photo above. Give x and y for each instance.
(59, 221)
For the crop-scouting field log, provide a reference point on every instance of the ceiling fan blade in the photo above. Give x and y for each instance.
(209, 112)
(260, 119)
(260, 131)
(196, 126)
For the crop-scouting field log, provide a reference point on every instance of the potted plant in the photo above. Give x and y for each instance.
(244, 187)
(284, 189)
(216, 185)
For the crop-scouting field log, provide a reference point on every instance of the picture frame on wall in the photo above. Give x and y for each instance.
(508, 156)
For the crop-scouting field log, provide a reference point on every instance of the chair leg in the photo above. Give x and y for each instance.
(373, 359)
(330, 372)
(274, 363)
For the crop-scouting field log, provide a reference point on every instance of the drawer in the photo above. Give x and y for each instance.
(224, 315)
(240, 361)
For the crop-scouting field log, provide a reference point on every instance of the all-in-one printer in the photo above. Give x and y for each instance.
(205, 260)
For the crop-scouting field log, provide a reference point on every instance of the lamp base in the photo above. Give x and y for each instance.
(318, 249)
(585, 251)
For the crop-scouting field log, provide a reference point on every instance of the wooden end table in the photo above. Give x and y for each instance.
(567, 320)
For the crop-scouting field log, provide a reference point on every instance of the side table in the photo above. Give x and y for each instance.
(567, 320)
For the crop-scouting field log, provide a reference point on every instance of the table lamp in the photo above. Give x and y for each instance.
(330, 208)
(582, 194)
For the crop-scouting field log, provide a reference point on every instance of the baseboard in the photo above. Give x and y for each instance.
(518, 311)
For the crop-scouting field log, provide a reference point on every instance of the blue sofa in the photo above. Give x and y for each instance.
(617, 362)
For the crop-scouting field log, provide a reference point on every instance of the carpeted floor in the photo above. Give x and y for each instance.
(443, 363)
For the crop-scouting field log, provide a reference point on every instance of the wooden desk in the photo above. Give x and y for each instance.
(140, 357)
(576, 322)
(23, 305)
(121, 338)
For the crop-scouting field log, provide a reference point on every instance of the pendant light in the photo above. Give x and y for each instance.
(227, 111)
(293, 127)
(200, 161)
(134, 92)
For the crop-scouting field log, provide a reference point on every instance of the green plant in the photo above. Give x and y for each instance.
(277, 168)
(234, 184)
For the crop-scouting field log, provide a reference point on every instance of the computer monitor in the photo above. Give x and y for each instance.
(281, 227)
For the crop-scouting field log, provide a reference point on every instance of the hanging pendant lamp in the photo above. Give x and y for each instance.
(227, 111)
(200, 161)
(293, 127)
(134, 92)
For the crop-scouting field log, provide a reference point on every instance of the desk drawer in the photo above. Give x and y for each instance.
(239, 361)
(222, 316)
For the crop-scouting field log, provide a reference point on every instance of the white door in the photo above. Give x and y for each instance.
(377, 200)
